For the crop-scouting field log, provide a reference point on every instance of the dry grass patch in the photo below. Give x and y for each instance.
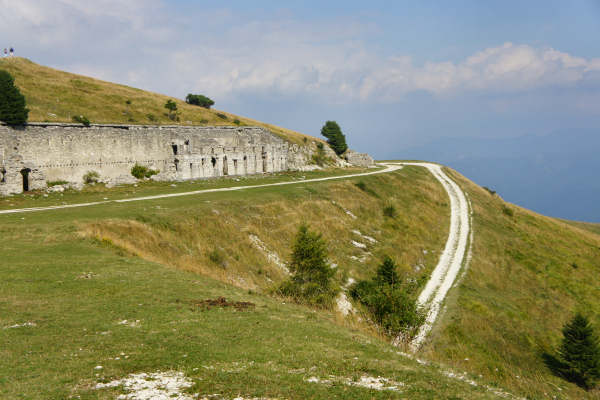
(57, 96)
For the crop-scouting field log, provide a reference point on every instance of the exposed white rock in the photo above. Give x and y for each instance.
(152, 386)
(271, 256)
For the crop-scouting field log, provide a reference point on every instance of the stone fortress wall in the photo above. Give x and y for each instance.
(38, 153)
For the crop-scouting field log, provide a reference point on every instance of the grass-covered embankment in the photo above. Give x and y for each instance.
(529, 274)
(57, 96)
(72, 275)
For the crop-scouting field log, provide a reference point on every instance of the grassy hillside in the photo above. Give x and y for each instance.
(57, 96)
(77, 294)
(529, 274)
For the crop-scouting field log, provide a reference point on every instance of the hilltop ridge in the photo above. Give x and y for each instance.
(56, 96)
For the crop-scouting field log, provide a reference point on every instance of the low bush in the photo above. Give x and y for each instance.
(218, 258)
(151, 117)
(319, 156)
(389, 211)
(390, 302)
(82, 119)
(141, 172)
(91, 177)
(312, 277)
(237, 122)
(199, 100)
(363, 186)
(490, 191)
(222, 116)
(508, 211)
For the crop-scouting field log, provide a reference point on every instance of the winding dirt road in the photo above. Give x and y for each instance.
(444, 274)
(453, 257)
(388, 168)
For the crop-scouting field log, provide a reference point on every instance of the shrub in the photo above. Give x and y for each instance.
(578, 357)
(336, 139)
(389, 211)
(12, 102)
(311, 280)
(508, 211)
(237, 122)
(199, 100)
(222, 116)
(363, 186)
(141, 172)
(490, 191)
(171, 106)
(151, 117)
(81, 119)
(128, 102)
(319, 156)
(204, 121)
(91, 177)
(390, 303)
(218, 258)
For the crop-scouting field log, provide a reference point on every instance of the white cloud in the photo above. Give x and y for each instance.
(147, 44)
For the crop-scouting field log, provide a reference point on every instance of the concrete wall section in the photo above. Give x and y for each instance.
(40, 153)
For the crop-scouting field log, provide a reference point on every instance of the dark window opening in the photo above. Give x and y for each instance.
(203, 162)
(213, 161)
(187, 142)
(174, 146)
(2, 175)
(25, 172)
(191, 166)
(176, 165)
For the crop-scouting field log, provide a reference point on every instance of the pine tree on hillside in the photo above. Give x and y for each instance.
(311, 279)
(12, 102)
(578, 358)
(336, 139)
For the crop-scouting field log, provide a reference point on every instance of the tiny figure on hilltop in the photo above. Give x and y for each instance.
(5, 52)
(12, 51)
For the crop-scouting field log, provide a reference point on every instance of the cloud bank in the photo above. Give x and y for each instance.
(145, 43)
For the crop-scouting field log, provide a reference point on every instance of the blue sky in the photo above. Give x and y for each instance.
(396, 75)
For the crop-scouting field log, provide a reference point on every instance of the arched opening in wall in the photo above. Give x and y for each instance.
(225, 166)
(264, 158)
(245, 164)
(174, 147)
(177, 165)
(213, 161)
(25, 173)
(235, 167)
(2, 175)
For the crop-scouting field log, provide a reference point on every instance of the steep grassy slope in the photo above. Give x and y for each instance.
(57, 96)
(528, 275)
(77, 292)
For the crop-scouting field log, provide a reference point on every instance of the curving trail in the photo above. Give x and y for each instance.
(444, 274)
(455, 253)
(388, 168)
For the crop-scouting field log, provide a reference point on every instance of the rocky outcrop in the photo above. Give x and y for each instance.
(359, 159)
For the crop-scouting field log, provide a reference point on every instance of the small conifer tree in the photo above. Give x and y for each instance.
(12, 102)
(579, 353)
(311, 279)
(336, 139)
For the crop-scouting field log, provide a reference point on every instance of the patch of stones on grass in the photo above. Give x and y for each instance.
(23, 325)
(368, 382)
(271, 256)
(346, 211)
(152, 386)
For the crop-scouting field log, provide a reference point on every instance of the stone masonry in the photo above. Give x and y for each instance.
(39, 153)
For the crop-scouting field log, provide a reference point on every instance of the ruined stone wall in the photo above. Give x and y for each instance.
(36, 154)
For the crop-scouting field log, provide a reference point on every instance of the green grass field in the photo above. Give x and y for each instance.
(78, 288)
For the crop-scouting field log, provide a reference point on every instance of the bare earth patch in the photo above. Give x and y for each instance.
(152, 386)
(223, 303)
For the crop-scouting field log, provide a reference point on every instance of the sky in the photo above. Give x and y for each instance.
(399, 77)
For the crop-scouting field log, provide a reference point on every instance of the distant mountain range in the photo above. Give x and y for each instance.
(555, 174)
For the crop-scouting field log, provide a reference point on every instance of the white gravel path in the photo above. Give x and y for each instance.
(451, 260)
(388, 168)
